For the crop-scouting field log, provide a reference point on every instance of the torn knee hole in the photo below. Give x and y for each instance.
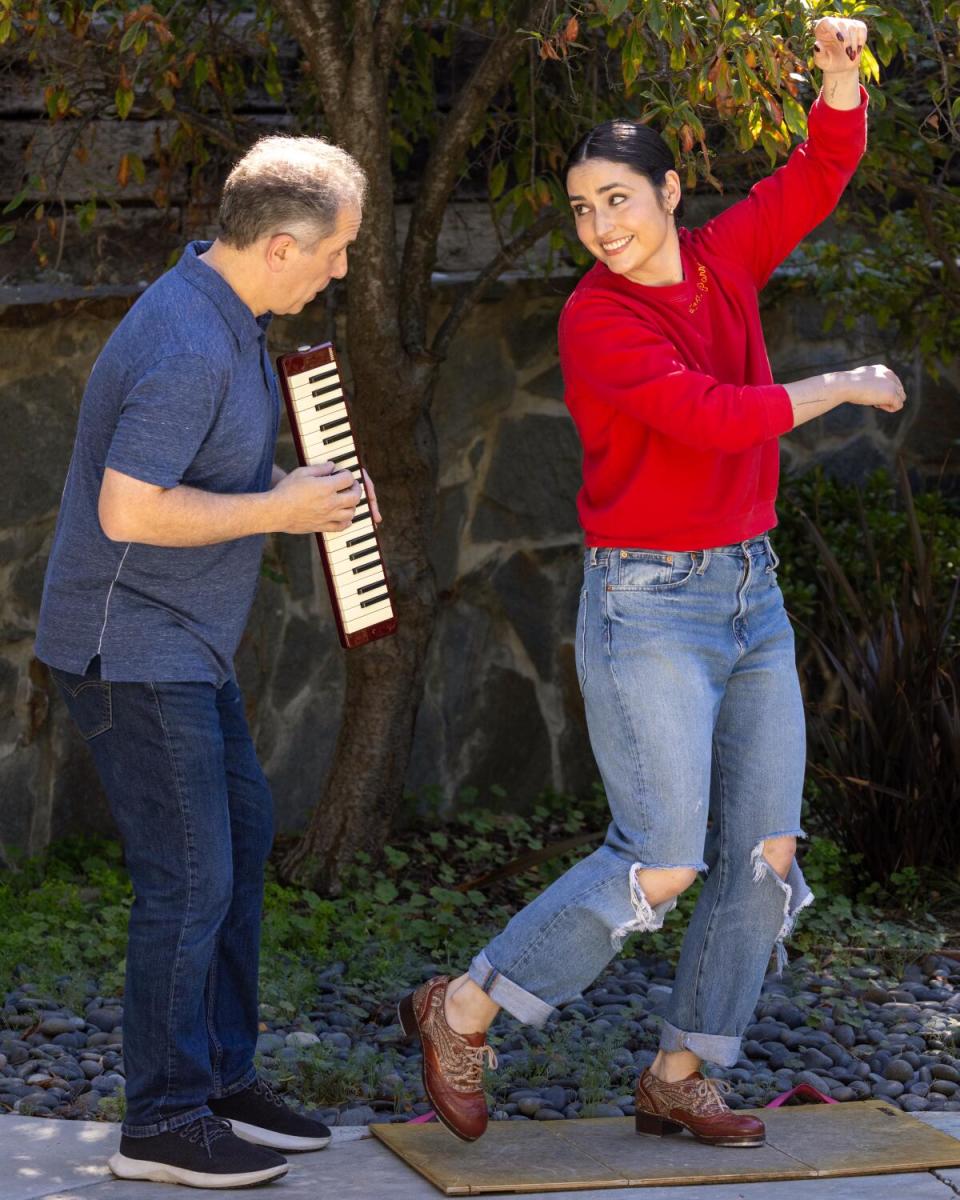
(779, 854)
(664, 883)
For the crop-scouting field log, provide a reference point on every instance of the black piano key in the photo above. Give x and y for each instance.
(334, 424)
(374, 599)
(374, 562)
(328, 403)
(330, 387)
(369, 587)
(359, 517)
(337, 437)
(362, 553)
(364, 537)
(342, 457)
(322, 375)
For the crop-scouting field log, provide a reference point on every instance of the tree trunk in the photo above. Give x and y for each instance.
(394, 374)
(385, 679)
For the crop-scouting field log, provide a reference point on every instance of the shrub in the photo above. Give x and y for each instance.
(883, 690)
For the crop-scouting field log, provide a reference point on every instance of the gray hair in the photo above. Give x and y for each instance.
(294, 185)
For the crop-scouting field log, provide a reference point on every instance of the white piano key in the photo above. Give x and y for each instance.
(314, 420)
(336, 541)
(314, 376)
(348, 579)
(354, 555)
(352, 609)
(368, 616)
(309, 397)
(329, 423)
(311, 413)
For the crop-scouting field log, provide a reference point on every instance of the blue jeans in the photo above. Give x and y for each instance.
(686, 664)
(196, 818)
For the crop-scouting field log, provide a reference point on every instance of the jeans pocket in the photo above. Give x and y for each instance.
(580, 644)
(89, 702)
(649, 571)
(773, 561)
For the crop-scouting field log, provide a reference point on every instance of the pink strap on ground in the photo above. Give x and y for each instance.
(422, 1120)
(802, 1089)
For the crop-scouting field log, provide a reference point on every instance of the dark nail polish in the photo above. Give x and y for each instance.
(839, 37)
(851, 53)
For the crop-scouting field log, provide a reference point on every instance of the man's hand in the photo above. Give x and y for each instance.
(372, 497)
(317, 499)
(839, 45)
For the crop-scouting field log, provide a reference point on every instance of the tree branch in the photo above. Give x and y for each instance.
(548, 220)
(445, 163)
(387, 31)
(318, 27)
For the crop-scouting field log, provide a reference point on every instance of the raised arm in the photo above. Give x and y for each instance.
(762, 229)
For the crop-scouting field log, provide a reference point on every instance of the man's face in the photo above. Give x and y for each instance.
(306, 272)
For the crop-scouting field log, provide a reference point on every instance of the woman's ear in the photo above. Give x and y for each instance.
(671, 190)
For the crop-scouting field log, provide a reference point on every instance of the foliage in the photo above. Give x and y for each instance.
(885, 732)
(840, 511)
(720, 80)
(850, 920)
(896, 261)
(63, 916)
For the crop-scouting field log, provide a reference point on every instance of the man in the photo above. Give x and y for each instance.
(153, 570)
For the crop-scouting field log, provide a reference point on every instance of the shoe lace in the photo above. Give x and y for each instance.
(470, 1069)
(205, 1131)
(710, 1093)
(262, 1088)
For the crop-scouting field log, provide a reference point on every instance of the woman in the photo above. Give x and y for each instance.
(684, 652)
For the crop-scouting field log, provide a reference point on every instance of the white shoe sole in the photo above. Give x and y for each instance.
(157, 1172)
(277, 1141)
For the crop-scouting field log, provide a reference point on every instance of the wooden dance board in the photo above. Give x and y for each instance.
(804, 1142)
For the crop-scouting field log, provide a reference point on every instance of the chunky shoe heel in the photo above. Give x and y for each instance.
(406, 1016)
(659, 1126)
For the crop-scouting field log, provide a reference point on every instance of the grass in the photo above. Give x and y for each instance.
(63, 923)
(63, 915)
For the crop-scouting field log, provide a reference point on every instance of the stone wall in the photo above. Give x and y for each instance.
(501, 704)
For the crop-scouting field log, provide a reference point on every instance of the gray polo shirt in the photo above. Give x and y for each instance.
(183, 392)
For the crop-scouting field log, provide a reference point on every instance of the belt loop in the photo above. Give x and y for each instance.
(705, 561)
(593, 556)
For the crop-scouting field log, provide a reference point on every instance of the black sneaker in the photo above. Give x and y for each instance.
(204, 1154)
(259, 1115)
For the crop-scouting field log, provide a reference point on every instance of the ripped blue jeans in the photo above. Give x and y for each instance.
(686, 664)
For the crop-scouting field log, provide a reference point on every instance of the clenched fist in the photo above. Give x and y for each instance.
(875, 386)
(839, 45)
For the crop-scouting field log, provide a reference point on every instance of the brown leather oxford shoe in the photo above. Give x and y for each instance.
(452, 1062)
(695, 1103)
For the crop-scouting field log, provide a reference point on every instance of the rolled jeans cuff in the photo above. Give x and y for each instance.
(516, 1000)
(170, 1125)
(714, 1048)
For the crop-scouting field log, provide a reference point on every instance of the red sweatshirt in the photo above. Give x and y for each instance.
(670, 387)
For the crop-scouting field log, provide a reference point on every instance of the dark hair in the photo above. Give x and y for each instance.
(637, 146)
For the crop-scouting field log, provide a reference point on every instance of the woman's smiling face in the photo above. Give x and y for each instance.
(621, 220)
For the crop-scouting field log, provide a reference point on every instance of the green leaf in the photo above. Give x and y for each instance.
(6, 234)
(794, 116)
(385, 892)
(123, 98)
(498, 179)
(19, 198)
(616, 9)
(129, 37)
